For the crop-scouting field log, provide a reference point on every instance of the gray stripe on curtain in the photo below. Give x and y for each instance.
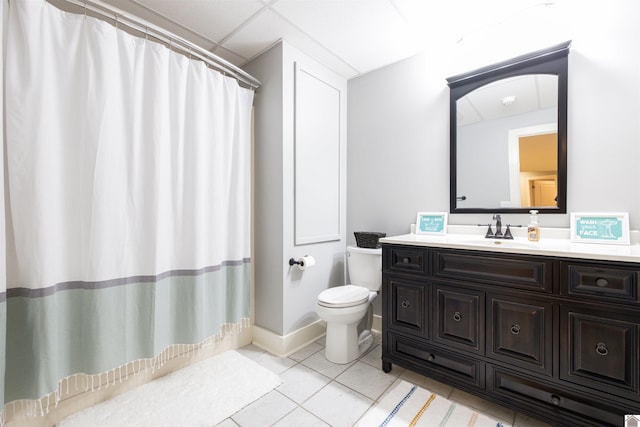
(103, 284)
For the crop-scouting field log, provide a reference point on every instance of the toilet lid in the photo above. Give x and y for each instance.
(343, 296)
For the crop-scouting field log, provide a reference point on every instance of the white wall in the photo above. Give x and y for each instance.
(398, 150)
(285, 297)
(268, 196)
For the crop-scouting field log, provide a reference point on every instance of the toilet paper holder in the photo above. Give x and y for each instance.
(302, 263)
(293, 261)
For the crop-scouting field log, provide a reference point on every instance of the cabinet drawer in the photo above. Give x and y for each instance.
(459, 318)
(520, 332)
(438, 363)
(616, 284)
(403, 259)
(602, 350)
(406, 301)
(517, 272)
(540, 397)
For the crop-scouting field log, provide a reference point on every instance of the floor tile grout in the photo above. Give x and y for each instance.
(296, 407)
(334, 380)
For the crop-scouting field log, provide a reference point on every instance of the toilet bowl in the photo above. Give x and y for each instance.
(344, 307)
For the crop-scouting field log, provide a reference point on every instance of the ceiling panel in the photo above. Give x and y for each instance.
(489, 99)
(530, 93)
(351, 37)
(213, 19)
(268, 28)
(142, 11)
(366, 33)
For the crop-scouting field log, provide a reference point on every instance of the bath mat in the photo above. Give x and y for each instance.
(410, 405)
(202, 394)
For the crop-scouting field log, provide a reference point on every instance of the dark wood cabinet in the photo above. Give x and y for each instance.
(458, 318)
(600, 282)
(556, 338)
(602, 350)
(521, 333)
(407, 301)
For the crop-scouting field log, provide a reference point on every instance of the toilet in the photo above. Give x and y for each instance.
(344, 307)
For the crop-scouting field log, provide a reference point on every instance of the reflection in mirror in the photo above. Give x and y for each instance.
(508, 135)
(510, 118)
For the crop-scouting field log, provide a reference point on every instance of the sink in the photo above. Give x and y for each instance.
(498, 243)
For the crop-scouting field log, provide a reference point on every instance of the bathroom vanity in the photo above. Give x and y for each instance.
(550, 329)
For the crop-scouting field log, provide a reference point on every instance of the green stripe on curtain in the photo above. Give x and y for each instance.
(3, 341)
(96, 329)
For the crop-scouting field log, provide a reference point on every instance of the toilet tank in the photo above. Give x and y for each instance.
(365, 267)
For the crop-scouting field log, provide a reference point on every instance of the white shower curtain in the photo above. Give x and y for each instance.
(128, 172)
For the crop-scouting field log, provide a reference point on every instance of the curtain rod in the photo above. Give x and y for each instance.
(172, 40)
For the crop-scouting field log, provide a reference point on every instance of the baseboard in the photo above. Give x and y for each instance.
(284, 346)
(377, 323)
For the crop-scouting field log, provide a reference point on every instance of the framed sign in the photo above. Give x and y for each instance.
(600, 227)
(431, 223)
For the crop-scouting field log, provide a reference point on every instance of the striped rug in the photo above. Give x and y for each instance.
(410, 405)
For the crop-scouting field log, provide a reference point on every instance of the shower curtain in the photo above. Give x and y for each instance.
(128, 200)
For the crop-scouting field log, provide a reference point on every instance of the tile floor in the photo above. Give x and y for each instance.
(316, 392)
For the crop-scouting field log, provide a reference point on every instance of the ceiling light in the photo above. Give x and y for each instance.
(508, 100)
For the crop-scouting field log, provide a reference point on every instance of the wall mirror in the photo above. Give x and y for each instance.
(508, 130)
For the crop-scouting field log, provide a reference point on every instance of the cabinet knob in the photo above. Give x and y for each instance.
(515, 329)
(405, 304)
(601, 349)
(406, 260)
(431, 357)
(555, 399)
(457, 316)
(603, 283)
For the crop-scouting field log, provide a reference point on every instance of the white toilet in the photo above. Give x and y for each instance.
(343, 307)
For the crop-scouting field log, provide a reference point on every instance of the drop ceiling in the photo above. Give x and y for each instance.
(351, 37)
(508, 97)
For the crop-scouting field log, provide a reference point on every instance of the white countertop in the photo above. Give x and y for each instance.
(553, 242)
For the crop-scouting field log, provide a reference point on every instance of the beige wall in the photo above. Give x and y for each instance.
(539, 153)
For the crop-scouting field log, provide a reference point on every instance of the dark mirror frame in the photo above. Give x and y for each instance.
(553, 60)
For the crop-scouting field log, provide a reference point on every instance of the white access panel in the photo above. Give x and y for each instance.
(317, 159)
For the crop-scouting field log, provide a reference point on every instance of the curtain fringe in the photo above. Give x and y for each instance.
(84, 383)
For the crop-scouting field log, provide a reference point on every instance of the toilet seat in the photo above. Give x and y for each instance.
(343, 296)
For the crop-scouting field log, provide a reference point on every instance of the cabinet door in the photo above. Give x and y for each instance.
(602, 350)
(405, 303)
(459, 318)
(521, 332)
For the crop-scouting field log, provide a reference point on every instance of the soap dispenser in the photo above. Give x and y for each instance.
(533, 229)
